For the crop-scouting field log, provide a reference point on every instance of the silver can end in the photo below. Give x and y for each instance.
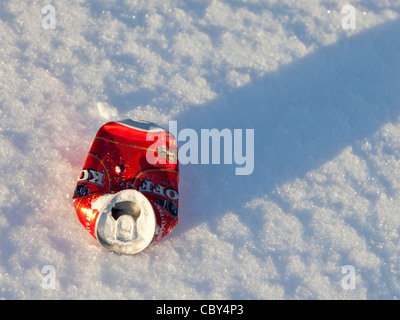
(126, 222)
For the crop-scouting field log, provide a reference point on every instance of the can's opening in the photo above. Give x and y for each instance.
(125, 207)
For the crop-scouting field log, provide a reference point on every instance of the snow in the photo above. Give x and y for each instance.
(324, 103)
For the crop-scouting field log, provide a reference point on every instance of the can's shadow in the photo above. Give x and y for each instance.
(303, 115)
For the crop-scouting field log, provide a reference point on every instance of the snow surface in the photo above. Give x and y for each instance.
(324, 103)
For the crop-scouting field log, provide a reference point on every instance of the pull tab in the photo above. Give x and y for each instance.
(125, 228)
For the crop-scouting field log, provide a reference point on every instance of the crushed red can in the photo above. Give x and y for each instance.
(127, 191)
